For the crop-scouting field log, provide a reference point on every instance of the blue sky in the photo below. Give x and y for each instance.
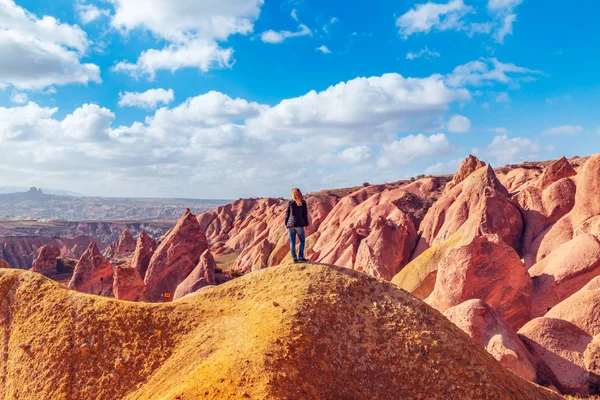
(244, 98)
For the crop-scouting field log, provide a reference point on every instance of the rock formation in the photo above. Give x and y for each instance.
(127, 284)
(144, 249)
(466, 168)
(46, 259)
(123, 247)
(485, 326)
(175, 258)
(203, 275)
(302, 331)
(486, 269)
(93, 273)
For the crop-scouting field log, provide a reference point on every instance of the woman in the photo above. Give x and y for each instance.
(296, 219)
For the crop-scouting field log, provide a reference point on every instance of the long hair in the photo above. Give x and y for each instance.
(297, 196)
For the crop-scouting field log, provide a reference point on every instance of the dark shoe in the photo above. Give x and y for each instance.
(295, 261)
(303, 260)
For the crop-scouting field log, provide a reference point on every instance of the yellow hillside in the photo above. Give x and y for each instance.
(290, 332)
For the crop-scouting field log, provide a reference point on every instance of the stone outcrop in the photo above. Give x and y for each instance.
(127, 284)
(484, 326)
(466, 168)
(487, 269)
(123, 247)
(93, 273)
(175, 258)
(144, 249)
(203, 275)
(46, 259)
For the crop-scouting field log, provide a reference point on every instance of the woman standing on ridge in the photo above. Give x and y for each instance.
(296, 219)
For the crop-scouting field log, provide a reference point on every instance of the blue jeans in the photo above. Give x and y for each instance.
(293, 232)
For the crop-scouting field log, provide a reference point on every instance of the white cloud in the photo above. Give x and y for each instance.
(502, 98)
(333, 20)
(89, 13)
(424, 52)
(377, 105)
(565, 98)
(487, 71)
(507, 150)
(294, 15)
(564, 130)
(412, 147)
(459, 124)
(148, 100)
(201, 54)
(356, 155)
(443, 168)
(324, 49)
(425, 17)
(500, 131)
(89, 122)
(37, 53)
(274, 37)
(453, 15)
(193, 30)
(18, 97)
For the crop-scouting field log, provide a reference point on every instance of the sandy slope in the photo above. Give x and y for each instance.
(290, 332)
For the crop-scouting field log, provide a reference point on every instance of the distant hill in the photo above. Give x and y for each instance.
(22, 189)
(36, 204)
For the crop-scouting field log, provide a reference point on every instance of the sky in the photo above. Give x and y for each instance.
(249, 98)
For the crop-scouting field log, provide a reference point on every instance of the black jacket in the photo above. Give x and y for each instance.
(296, 216)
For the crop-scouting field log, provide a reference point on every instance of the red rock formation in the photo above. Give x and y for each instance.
(486, 269)
(478, 205)
(544, 201)
(484, 325)
(175, 258)
(46, 259)
(564, 272)
(127, 284)
(93, 273)
(466, 168)
(203, 275)
(144, 249)
(123, 247)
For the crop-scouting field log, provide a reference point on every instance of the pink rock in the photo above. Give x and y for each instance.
(466, 168)
(582, 309)
(203, 275)
(46, 259)
(127, 284)
(484, 325)
(486, 269)
(564, 272)
(559, 346)
(123, 247)
(174, 259)
(144, 249)
(93, 273)
(477, 205)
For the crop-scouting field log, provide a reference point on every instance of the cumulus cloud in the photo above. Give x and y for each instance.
(18, 97)
(148, 100)
(379, 105)
(487, 71)
(454, 15)
(356, 155)
(193, 30)
(88, 13)
(324, 49)
(37, 53)
(274, 37)
(459, 124)
(425, 17)
(570, 130)
(506, 150)
(407, 149)
(424, 52)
